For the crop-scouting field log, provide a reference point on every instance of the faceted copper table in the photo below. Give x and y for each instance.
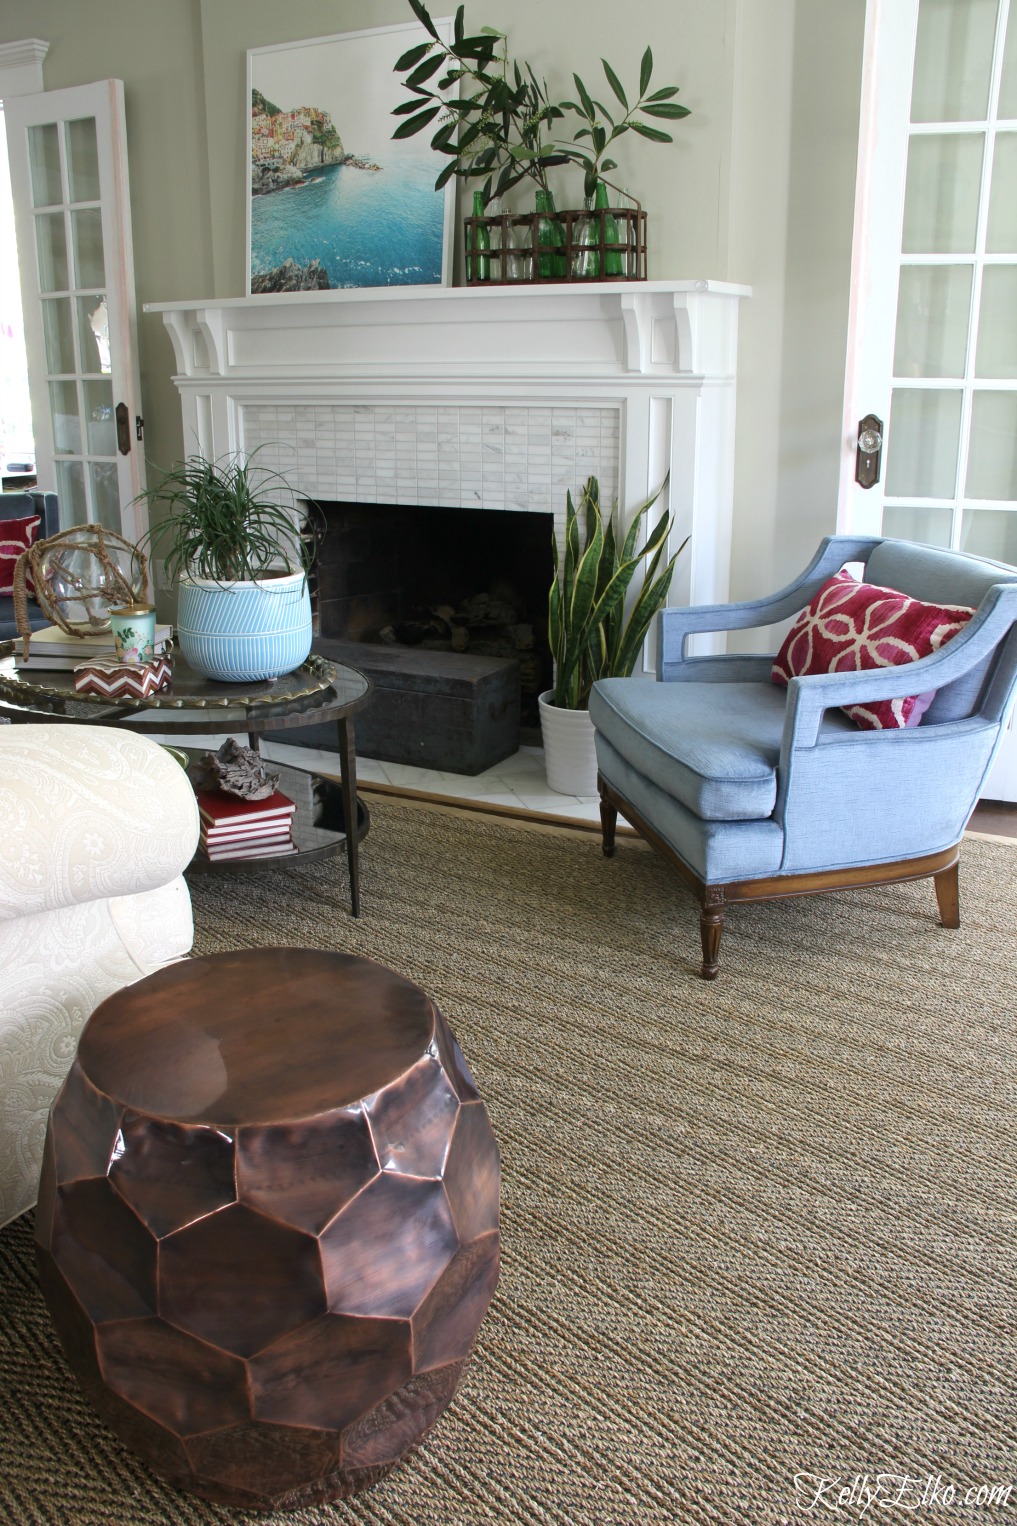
(268, 1221)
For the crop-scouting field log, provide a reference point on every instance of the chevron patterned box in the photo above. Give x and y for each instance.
(122, 680)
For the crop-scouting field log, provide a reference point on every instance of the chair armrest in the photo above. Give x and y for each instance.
(675, 625)
(88, 812)
(721, 668)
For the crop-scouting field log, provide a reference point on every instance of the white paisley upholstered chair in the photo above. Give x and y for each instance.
(96, 826)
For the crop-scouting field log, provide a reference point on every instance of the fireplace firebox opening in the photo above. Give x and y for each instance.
(440, 580)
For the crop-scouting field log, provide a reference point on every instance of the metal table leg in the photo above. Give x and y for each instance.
(348, 768)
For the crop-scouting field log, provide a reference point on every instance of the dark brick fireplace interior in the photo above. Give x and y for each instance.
(428, 580)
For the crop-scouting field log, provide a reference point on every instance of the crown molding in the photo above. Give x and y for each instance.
(21, 66)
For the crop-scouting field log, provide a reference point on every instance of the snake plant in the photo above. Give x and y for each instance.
(595, 630)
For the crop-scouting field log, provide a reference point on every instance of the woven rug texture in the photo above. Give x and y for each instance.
(753, 1230)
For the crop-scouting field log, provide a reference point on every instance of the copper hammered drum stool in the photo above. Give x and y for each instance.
(268, 1221)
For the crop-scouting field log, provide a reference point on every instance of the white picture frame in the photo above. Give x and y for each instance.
(366, 217)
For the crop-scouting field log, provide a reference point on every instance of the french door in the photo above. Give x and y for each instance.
(932, 350)
(68, 158)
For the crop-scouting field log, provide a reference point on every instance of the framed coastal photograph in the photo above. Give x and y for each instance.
(333, 200)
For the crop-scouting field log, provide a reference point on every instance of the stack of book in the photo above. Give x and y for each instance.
(235, 828)
(51, 647)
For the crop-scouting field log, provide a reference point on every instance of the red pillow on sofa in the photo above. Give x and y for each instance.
(850, 626)
(16, 535)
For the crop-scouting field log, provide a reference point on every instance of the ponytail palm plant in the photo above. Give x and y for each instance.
(227, 520)
(596, 631)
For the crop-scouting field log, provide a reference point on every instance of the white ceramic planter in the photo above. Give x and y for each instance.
(570, 756)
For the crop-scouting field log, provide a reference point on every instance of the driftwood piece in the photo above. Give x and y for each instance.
(236, 770)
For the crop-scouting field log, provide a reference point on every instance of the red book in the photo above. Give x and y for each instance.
(275, 849)
(275, 826)
(215, 807)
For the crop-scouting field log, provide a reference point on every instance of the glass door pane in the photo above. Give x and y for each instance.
(992, 457)
(1001, 235)
(953, 60)
(922, 445)
(933, 313)
(930, 526)
(941, 195)
(991, 533)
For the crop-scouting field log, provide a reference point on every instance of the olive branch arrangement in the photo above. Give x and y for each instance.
(500, 123)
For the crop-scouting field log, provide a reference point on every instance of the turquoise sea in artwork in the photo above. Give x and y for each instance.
(367, 227)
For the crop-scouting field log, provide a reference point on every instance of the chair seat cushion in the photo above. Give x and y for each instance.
(712, 746)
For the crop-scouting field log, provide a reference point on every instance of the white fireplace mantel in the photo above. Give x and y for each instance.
(497, 398)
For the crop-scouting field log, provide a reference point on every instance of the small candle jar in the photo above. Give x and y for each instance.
(133, 627)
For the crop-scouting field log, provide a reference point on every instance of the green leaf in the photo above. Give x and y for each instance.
(490, 31)
(412, 56)
(413, 104)
(446, 175)
(424, 71)
(651, 133)
(667, 94)
(459, 27)
(673, 110)
(421, 14)
(645, 69)
(615, 83)
(476, 48)
(599, 139)
(651, 598)
(584, 95)
(416, 124)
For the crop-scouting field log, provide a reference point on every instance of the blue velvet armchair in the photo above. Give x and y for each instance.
(754, 791)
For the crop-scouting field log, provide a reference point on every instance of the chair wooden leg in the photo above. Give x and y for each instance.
(948, 895)
(711, 925)
(608, 823)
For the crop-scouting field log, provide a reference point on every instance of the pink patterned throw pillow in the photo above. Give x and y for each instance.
(16, 535)
(850, 626)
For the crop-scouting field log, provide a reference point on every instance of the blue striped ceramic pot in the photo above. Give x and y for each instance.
(238, 632)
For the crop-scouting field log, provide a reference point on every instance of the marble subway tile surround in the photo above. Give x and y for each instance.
(453, 456)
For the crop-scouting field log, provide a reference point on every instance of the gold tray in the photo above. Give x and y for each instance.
(188, 690)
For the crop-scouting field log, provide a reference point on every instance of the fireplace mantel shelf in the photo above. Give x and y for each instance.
(633, 328)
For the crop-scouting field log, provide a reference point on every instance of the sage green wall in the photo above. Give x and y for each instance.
(773, 88)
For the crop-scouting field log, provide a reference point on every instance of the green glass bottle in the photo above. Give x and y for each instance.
(607, 233)
(478, 262)
(550, 239)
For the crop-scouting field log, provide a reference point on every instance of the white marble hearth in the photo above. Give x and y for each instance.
(517, 784)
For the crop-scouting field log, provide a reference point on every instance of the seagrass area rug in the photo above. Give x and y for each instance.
(754, 1231)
